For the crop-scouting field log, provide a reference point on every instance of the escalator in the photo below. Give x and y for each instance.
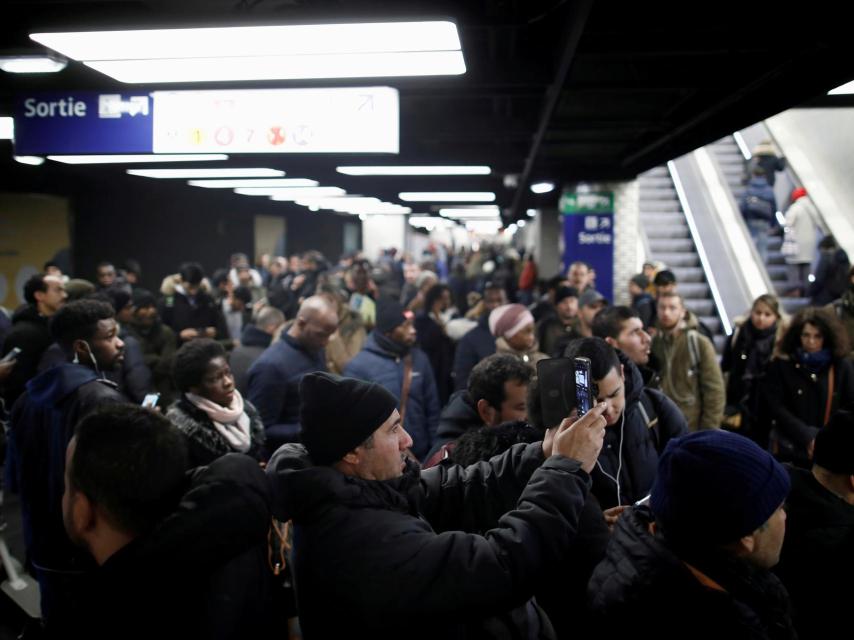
(669, 240)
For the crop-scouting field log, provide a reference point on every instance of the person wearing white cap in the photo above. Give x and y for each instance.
(513, 328)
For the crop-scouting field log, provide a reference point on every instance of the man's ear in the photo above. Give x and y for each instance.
(353, 457)
(612, 342)
(623, 372)
(82, 513)
(486, 412)
(745, 545)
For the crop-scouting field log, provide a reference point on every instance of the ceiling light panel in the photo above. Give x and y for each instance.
(281, 40)
(268, 52)
(33, 160)
(225, 172)
(290, 195)
(261, 182)
(7, 128)
(351, 65)
(127, 159)
(415, 170)
(447, 196)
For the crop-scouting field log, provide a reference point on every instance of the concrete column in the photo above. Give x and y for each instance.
(548, 234)
(626, 233)
(381, 232)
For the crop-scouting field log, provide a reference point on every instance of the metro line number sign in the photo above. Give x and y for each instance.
(339, 120)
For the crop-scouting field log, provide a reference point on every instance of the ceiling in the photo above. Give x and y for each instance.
(564, 90)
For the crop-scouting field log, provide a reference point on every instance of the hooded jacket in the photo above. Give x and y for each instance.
(394, 557)
(375, 364)
(201, 573)
(642, 578)
(30, 333)
(697, 391)
(633, 445)
(158, 345)
(42, 424)
(179, 311)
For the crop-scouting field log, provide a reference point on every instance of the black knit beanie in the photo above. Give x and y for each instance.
(338, 414)
(713, 487)
(390, 315)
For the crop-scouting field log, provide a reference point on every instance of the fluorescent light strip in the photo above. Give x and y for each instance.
(842, 90)
(118, 159)
(350, 65)
(7, 128)
(33, 160)
(31, 64)
(543, 187)
(415, 170)
(241, 184)
(277, 40)
(447, 196)
(474, 215)
(450, 211)
(283, 194)
(225, 172)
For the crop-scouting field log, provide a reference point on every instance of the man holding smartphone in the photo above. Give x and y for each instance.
(640, 423)
(449, 546)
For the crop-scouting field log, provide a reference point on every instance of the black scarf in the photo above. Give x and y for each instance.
(390, 346)
(757, 345)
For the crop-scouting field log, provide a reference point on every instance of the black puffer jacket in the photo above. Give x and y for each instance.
(642, 443)
(818, 550)
(642, 581)
(202, 573)
(394, 557)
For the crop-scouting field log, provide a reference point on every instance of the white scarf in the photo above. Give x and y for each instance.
(231, 422)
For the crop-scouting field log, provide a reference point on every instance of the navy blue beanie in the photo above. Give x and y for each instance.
(338, 414)
(714, 487)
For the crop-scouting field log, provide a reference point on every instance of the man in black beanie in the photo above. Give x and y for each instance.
(391, 359)
(380, 547)
(696, 562)
(817, 561)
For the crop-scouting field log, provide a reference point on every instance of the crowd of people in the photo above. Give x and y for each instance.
(364, 448)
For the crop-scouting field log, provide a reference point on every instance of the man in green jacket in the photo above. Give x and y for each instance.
(690, 375)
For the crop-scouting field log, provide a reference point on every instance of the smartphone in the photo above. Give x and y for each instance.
(150, 400)
(643, 501)
(583, 398)
(14, 353)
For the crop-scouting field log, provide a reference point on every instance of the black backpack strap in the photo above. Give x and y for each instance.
(649, 414)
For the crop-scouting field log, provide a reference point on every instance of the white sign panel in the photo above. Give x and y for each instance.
(346, 120)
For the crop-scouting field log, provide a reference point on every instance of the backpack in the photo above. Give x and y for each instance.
(756, 208)
(649, 399)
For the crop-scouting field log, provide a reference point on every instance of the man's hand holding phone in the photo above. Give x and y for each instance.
(582, 439)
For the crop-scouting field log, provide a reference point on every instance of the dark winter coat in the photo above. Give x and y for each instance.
(797, 402)
(645, 305)
(643, 440)
(817, 561)
(553, 335)
(395, 557)
(253, 341)
(274, 387)
(758, 201)
(440, 350)
(158, 346)
(180, 312)
(42, 424)
(204, 442)
(831, 276)
(458, 416)
(643, 581)
(30, 333)
(375, 364)
(745, 359)
(202, 573)
(474, 346)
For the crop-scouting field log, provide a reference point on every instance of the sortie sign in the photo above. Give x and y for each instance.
(588, 234)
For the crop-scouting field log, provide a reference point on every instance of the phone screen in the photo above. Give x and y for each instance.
(582, 385)
(150, 400)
